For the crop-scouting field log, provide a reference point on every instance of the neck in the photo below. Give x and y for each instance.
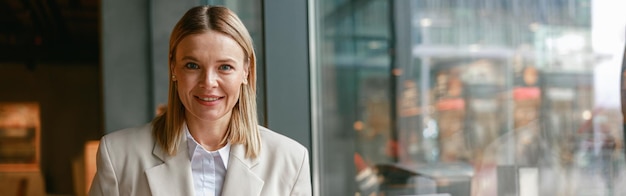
(209, 134)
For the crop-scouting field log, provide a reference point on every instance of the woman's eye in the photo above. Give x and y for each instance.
(192, 66)
(225, 67)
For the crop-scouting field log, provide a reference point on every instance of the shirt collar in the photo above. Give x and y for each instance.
(192, 144)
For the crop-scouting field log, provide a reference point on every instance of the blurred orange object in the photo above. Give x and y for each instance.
(91, 149)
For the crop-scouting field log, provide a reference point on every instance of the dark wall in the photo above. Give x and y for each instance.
(70, 106)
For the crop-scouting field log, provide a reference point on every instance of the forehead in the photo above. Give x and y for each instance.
(209, 44)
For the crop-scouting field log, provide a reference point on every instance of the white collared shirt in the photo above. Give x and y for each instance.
(207, 167)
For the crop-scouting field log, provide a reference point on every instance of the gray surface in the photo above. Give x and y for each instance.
(287, 69)
(125, 61)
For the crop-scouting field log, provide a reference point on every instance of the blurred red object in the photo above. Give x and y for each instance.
(359, 162)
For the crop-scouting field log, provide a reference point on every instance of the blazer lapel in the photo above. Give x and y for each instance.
(173, 176)
(240, 180)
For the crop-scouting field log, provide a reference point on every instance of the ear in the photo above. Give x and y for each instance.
(245, 73)
(172, 70)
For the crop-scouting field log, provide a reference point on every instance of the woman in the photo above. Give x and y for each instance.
(207, 142)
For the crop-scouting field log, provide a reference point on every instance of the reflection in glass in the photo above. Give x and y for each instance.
(459, 97)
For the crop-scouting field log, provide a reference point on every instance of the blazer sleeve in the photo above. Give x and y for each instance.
(303, 180)
(105, 181)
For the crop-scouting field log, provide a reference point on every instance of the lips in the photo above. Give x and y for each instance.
(208, 100)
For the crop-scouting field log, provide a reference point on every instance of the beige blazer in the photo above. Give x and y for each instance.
(130, 163)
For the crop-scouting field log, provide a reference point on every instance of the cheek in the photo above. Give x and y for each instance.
(183, 88)
(235, 91)
(180, 92)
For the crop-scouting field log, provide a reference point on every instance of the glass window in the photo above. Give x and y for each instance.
(353, 39)
(462, 97)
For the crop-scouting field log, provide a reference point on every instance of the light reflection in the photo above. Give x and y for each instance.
(570, 43)
(534, 26)
(426, 22)
(586, 115)
(474, 48)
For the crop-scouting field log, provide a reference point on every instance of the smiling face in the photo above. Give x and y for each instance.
(209, 69)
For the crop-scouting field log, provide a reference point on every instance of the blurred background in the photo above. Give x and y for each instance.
(392, 97)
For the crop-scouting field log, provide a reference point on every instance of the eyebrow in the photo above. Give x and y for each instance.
(189, 58)
(225, 60)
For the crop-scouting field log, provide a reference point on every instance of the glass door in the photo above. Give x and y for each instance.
(468, 97)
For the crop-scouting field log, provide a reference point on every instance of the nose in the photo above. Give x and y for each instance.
(209, 79)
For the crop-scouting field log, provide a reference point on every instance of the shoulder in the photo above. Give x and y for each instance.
(276, 143)
(134, 133)
(122, 159)
(283, 164)
(126, 140)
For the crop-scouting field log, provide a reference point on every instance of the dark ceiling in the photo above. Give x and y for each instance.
(49, 31)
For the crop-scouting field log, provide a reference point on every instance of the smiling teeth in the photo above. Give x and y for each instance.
(209, 98)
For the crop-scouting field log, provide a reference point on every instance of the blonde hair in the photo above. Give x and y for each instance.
(242, 129)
